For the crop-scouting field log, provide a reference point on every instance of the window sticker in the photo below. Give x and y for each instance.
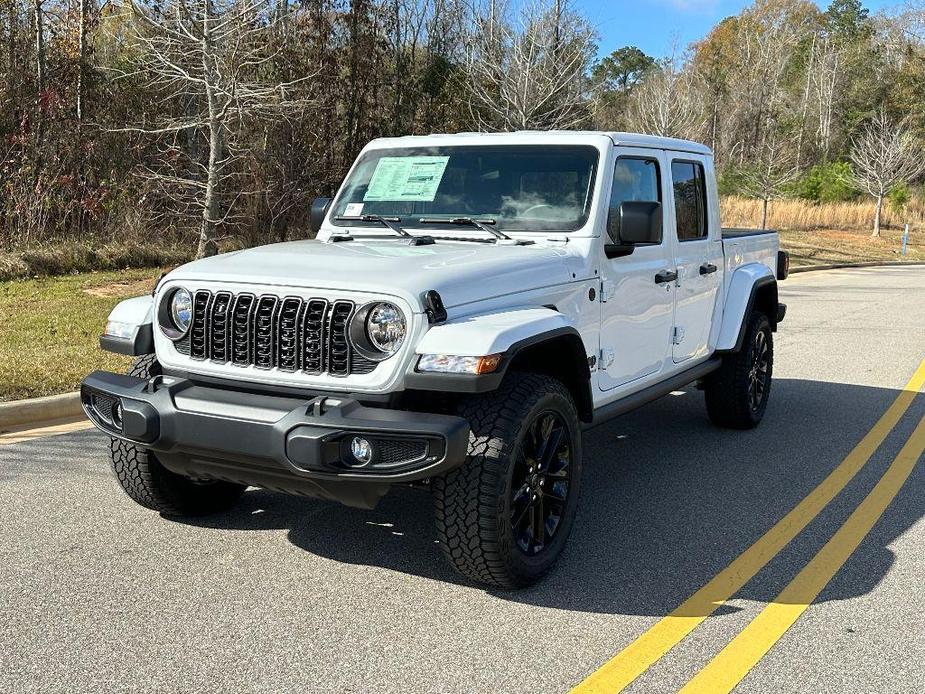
(354, 209)
(399, 179)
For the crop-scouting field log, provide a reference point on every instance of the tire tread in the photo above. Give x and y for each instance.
(467, 500)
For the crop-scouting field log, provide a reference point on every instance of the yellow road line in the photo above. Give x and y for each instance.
(728, 668)
(55, 428)
(641, 654)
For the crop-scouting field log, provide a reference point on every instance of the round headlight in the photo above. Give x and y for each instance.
(181, 310)
(385, 327)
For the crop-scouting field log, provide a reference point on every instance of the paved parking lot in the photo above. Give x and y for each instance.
(289, 594)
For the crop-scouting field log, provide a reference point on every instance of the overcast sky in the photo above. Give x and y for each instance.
(654, 25)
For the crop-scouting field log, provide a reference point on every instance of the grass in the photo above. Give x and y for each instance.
(804, 215)
(67, 257)
(49, 329)
(834, 233)
(833, 247)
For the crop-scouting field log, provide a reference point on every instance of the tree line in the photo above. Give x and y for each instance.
(214, 122)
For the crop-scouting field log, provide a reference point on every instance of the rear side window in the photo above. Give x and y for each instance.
(634, 180)
(690, 200)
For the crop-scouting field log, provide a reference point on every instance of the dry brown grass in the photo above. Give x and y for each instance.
(66, 257)
(835, 247)
(803, 215)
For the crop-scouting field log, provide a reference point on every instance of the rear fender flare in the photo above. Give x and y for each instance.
(751, 285)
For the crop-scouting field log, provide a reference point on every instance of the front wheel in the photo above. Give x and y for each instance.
(737, 392)
(504, 516)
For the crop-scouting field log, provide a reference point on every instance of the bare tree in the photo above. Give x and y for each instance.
(12, 16)
(204, 56)
(38, 18)
(82, 26)
(884, 155)
(827, 70)
(774, 167)
(532, 76)
(668, 102)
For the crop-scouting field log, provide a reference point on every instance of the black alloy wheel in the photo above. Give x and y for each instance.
(737, 392)
(760, 373)
(540, 483)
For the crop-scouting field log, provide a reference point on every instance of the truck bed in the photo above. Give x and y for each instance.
(734, 233)
(742, 246)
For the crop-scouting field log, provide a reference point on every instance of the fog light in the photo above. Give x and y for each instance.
(361, 450)
(117, 414)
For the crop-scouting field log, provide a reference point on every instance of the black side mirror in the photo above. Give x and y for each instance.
(640, 223)
(319, 212)
(637, 224)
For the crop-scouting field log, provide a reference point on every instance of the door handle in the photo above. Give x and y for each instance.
(707, 268)
(665, 276)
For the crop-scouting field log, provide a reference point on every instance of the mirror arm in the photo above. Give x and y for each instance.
(618, 250)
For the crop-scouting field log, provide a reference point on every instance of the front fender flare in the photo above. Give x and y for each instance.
(491, 333)
(507, 332)
(139, 313)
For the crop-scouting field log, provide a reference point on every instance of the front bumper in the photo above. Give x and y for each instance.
(289, 444)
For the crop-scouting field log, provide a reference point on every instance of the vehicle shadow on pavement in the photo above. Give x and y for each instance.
(668, 500)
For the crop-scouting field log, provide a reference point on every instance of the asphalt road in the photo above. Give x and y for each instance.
(289, 594)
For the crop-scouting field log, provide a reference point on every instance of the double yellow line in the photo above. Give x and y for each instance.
(728, 668)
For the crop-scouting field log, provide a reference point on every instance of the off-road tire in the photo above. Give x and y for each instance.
(727, 388)
(155, 487)
(472, 503)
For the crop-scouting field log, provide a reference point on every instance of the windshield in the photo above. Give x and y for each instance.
(519, 187)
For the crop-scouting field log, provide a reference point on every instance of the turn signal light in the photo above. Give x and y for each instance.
(453, 364)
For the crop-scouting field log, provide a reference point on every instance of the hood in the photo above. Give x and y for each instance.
(462, 272)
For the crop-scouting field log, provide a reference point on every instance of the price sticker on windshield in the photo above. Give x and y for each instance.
(399, 179)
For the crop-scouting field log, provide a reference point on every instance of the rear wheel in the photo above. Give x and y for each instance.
(737, 393)
(504, 516)
(152, 485)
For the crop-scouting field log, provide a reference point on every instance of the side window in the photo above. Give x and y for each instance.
(634, 180)
(690, 200)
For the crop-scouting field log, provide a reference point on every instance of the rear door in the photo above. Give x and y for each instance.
(636, 309)
(698, 247)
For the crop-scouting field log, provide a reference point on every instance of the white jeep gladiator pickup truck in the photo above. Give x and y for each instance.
(470, 304)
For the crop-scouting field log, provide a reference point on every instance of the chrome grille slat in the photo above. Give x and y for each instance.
(199, 330)
(241, 329)
(287, 338)
(264, 332)
(267, 331)
(338, 345)
(313, 336)
(219, 327)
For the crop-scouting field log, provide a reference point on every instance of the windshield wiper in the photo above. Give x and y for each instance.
(481, 224)
(390, 222)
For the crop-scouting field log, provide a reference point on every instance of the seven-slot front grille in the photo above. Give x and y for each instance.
(290, 334)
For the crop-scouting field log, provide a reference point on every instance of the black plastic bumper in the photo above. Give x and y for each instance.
(284, 443)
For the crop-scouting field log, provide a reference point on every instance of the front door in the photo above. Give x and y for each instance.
(698, 257)
(637, 301)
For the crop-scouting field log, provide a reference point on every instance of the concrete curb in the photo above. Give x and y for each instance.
(36, 410)
(841, 266)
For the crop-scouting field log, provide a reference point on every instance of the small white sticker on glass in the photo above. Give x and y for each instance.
(398, 179)
(353, 209)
